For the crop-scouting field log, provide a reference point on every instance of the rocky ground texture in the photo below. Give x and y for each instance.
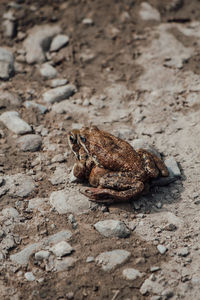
(131, 68)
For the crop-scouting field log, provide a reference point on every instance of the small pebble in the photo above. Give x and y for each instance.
(29, 276)
(162, 249)
(89, 259)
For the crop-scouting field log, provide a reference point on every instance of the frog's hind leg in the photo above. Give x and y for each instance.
(109, 196)
(153, 164)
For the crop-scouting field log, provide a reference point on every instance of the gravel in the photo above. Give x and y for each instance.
(47, 71)
(131, 274)
(58, 42)
(162, 249)
(29, 276)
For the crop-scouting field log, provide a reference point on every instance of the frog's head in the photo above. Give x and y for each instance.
(72, 138)
(86, 136)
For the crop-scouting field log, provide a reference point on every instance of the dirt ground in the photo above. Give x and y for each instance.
(146, 74)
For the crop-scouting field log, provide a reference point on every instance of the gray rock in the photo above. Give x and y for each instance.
(42, 109)
(148, 13)
(109, 228)
(150, 286)
(65, 201)
(111, 259)
(7, 98)
(59, 175)
(30, 142)
(6, 63)
(87, 21)
(38, 42)
(154, 268)
(184, 251)
(61, 249)
(41, 255)
(9, 28)
(131, 274)
(64, 264)
(8, 242)
(162, 249)
(23, 256)
(19, 185)
(47, 71)
(58, 42)
(29, 276)
(58, 94)
(10, 212)
(58, 82)
(13, 122)
(172, 166)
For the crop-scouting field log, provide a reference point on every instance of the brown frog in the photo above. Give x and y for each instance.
(111, 165)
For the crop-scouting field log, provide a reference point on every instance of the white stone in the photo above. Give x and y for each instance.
(29, 276)
(65, 201)
(9, 98)
(47, 71)
(14, 123)
(150, 286)
(111, 259)
(59, 175)
(89, 259)
(61, 249)
(58, 42)
(43, 254)
(6, 63)
(58, 94)
(38, 42)
(109, 228)
(184, 251)
(148, 13)
(29, 142)
(19, 185)
(9, 28)
(87, 21)
(58, 82)
(162, 249)
(10, 212)
(131, 274)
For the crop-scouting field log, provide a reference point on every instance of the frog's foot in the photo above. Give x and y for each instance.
(103, 195)
(79, 171)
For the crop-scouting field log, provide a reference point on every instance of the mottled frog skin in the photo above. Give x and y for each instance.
(116, 171)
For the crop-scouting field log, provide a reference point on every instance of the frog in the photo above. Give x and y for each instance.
(115, 170)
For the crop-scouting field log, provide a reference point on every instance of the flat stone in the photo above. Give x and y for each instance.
(37, 204)
(58, 82)
(38, 42)
(58, 94)
(162, 249)
(10, 212)
(14, 123)
(30, 142)
(64, 264)
(47, 71)
(172, 166)
(61, 249)
(148, 13)
(111, 259)
(89, 259)
(29, 276)
(109, 228)
(6, 63)
(131, 274)
(23, 256)
(69, 201)
(41, 255)
(184, 251)
(58, 42)
(42, 109)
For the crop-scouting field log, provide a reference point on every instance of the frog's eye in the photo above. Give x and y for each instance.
(83, 139)
(72, 139)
